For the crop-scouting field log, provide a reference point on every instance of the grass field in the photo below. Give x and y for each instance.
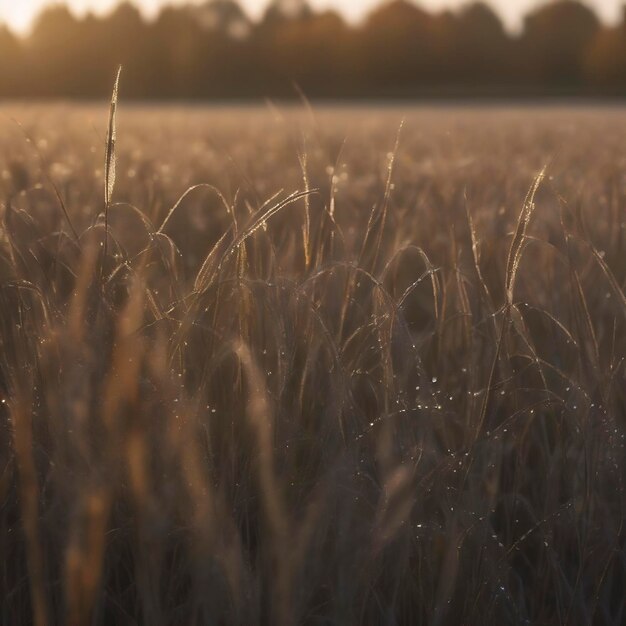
(323, 370)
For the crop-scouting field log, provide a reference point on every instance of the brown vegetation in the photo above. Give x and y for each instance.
(396, 397)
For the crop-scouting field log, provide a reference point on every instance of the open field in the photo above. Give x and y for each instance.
(398, 397)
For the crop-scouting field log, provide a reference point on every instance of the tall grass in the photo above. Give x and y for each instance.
(377, 402)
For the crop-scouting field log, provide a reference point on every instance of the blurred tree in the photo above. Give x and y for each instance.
(125, 39)
(222, 45)
(214, 50)
(181, 58)
(52, 51)
(396, 47)
(11, 61)
(224, 16)
(482, 48)
(318, 55)
(285, 10)
(554, 42)
(605, 62)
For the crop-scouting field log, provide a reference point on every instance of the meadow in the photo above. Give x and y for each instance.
(312, 365)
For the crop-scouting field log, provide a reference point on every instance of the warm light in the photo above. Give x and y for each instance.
(20, 13)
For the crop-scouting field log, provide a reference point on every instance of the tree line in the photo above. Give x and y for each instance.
(400, 50)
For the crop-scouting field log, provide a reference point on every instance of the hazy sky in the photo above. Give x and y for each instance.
(19, 13)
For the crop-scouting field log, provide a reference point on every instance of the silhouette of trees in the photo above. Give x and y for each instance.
(52, 51)
(214, 50)
(605, 62)
(308, 49)
(555, 40)
(482, 49)
(10, 63)
(396, 41)
(281, 11)
(223, 16)
(179, 54)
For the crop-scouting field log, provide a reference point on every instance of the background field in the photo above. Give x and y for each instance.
(399, 399)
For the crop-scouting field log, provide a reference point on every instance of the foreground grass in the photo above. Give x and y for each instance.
(394, 397)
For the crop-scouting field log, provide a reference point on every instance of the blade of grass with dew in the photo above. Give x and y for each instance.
(109, 159)
(519, 237)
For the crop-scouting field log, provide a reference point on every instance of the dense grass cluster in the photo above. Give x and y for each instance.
(306, 369)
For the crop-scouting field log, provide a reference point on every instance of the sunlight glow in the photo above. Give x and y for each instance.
(19, 14)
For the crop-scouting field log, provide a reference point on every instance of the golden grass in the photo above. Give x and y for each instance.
(300, 372)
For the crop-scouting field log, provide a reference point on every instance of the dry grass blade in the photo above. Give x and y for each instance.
(378, 218)
(476, 257)
(306, 228)
(173, 210)
(110, 159)
(606, 270)
(519, 237)
(431, 271)
(586, 317)
(261, 220)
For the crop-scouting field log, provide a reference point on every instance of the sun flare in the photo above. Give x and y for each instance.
(18, 15)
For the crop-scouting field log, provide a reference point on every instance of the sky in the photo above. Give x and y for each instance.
(19, 13)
